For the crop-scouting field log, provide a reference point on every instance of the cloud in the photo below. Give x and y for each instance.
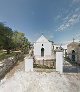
(76, 1)
(69, 41)
(77, 9)
(51, 36)
(77, 35)
(70, 20)
(58, 17)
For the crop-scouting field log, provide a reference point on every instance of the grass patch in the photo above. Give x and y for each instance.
(4, 55)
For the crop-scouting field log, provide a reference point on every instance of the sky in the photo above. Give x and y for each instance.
(58, 20)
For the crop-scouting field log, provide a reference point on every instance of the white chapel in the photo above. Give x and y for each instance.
(43, 49)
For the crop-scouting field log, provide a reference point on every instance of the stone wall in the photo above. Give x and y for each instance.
(6, 65)
(48, 63)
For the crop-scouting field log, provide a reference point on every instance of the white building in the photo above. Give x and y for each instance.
(43, 49)
(56, 46)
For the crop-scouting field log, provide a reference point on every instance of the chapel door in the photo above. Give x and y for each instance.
(73, 55)
(42, 52)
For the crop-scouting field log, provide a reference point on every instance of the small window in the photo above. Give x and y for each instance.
(53, 47)
(56, 47)
(42, 44)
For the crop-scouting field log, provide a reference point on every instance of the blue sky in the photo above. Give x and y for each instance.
(58, 20)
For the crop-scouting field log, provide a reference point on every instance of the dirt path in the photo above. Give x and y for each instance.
(19, 67)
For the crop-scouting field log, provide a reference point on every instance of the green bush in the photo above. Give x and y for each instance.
(19, 56)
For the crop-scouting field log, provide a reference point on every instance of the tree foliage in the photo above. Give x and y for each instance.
(6, 37)
(12, 40)
(20, 41)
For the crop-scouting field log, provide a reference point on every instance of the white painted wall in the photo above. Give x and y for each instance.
(55, 45)
(59, 61)
(28, 64)
(47, 48)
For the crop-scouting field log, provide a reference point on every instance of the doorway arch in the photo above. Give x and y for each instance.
(42, 52)
(73, 55)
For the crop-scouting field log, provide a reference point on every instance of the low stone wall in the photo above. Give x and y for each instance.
(6, 65)
(49, 63)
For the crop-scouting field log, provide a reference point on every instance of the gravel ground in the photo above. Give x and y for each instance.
(17, 80)
(41, 82)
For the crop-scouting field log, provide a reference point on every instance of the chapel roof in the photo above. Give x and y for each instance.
(73, 44)
(42, 39)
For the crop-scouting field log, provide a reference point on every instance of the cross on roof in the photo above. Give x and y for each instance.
(73, 39)
(42, 33)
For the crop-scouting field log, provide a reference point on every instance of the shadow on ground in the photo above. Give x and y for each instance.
(71, 69)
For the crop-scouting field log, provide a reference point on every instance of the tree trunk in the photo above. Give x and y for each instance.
(8, 51)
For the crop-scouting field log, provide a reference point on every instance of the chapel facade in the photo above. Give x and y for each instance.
(43, 49)
(73, 51)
